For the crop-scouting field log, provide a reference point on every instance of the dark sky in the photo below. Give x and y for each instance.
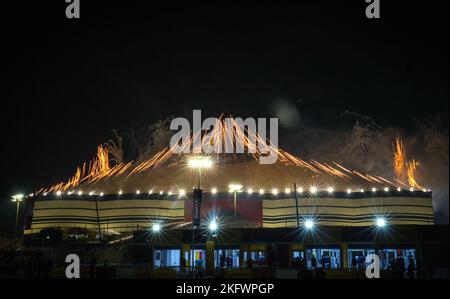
(67, 83)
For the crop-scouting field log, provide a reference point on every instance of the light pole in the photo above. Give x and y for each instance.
(198, 164)
(17, 199)
(235, 189)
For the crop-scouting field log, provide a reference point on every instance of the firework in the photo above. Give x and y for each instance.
(100, 172)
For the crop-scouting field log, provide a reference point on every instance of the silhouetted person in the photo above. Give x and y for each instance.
(199, 271)
(354, 263)
(40, 266)
(92, 267)
(314, 262)
(250, 263)
(222, 261)
(323, 262)
(411, 270)
(49, 268)
(301, 268)
(29, 269)
(229, 262)
(183, 264)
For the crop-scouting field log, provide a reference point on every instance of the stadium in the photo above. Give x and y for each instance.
(252, 215)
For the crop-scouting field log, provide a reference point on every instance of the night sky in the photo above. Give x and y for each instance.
(67, 83)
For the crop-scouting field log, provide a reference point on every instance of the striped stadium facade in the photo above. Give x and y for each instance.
(131, 212)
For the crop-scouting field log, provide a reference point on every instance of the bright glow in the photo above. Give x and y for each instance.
(212, 226)
(151, 191)
(200, 162)
(31, 194)
(399, 189)
(58, 193)
(309, 224)
(17, 197)
(235, 188)
(261, 191)
(169, 193)
(182, 193)
(138, 191)
(91, 193)
(313, 190)
(45, 193)
(386, 189)
(80, 192)
(362, 191)
(70, 192)
(411, 189)
(374, 189)
(287, 191)
(101, 193)
(213, 190)
(250, 191)
(349, 191)
(161, 192)
(156, 227)
(120, 192)
(330, 189)
(274, 191)
(381, 222)
(300, 190)
(424, 190)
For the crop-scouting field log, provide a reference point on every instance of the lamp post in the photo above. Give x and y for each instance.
(235, 188)
(198, 164)
(17, 199)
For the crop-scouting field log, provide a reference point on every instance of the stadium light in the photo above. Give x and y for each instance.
(156, 227)
(235, 189)
(213, 226)
(17, 198)
(198, 164)
(313, 190)
(381, 222)
(309, 224)
(330, 190)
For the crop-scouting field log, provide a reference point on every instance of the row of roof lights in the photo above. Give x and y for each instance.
(380, 222)
(308, 224)
(234, 188)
